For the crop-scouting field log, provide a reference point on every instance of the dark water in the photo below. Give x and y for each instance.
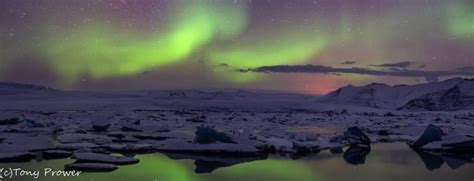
(391, 161)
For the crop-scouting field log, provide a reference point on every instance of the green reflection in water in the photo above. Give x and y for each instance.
(159, 167)
(393, 161)
(271, 169)
(151, 167)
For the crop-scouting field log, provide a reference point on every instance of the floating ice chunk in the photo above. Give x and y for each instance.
(91, 167)
(104, 158)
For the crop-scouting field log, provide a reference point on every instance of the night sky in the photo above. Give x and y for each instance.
(310, 46)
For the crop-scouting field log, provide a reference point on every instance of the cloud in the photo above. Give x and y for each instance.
(349, 62)
(405, 64)
(428, 75)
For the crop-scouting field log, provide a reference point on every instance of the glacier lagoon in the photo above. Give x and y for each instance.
(384, 161)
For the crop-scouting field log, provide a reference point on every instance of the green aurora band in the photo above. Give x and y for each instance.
(461, 19)
(291, 47)
(229, 35)
(101, 52)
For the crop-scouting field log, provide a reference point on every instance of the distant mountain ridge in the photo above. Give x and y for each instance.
(22, 86)
(448, 95)
(15, 89)
(451, 94)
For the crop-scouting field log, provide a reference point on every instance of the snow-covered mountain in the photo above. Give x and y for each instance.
(12, 88)
(452, 94)
(33, 97)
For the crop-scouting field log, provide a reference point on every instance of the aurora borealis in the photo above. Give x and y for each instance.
(148, 44)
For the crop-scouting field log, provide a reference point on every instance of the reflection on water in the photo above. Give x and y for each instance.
(391, 161)
(207, 164)
(434, 161)
(355, 155)
(431, 161)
